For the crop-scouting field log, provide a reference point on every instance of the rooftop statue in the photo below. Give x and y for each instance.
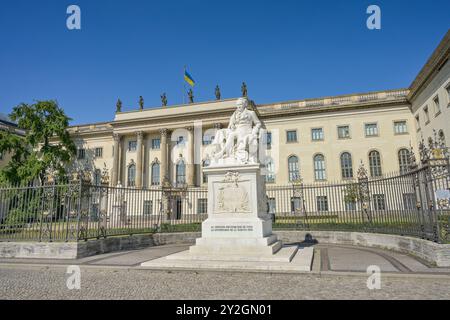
(191, 96)
(119, 106)
(237, 144)
(217, 92)
(141, 103)
(164, 99)
(244, 89)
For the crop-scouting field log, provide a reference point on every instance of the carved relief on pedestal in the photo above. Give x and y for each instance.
(232, 195)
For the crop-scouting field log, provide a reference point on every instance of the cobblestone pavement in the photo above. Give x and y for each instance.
(27, 282)
(338, 273)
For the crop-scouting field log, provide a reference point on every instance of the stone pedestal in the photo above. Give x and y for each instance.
(238, 222)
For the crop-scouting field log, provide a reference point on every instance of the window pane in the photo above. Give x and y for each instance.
(375, 164)
(400, 127)
(319, 167)
(202, 206)
(343, 132)
(403, 160)
(156, 143)
(346, 165)
(379, 202)
(131, 175)
(317, 134)
(291, 136)
(371, 129)
(148, 204)
(322, 203)
(155, 174)
(132, 145)
(180, 173)
(293, 168)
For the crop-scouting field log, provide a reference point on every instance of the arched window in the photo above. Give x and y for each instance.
(319, 167)
(375, 164)
(205, 164)
(293, 168)
(180, 173)
(270, 170)
(156, 176)
(346, 165)
(131, 175)
(403, 160)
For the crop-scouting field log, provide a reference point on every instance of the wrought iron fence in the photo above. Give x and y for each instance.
(413, 203)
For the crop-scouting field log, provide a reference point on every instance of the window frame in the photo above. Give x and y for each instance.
(132, 143)
(343, 126)
(322, 134)
(406, 127)
(375, 169)
(322, 171)
(343, 169)
(371, 135)
(287, 136)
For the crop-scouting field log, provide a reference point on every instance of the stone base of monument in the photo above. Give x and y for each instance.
(238, 232)
(287, 259)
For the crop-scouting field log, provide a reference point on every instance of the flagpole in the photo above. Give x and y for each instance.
(184, 84)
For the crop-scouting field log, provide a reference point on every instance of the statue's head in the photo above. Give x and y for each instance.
(241, 104)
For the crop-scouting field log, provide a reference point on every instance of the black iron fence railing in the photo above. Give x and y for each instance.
(414, 203)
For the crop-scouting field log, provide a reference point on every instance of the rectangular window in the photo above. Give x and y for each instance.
(99, 152)
(343, 132)
(400, 127)
(156, 143)
(295, 205)
(268, 140)
(148, 206)
(81, 154)
(371, 129)
(409, 201)
(317, 134)
(132, 145)
(437, 106)
(379, 202)
(350, 205)
(291, 136)
(322, 203)
(272, 205)
(202, 206)
(418, 122)
(427, 115)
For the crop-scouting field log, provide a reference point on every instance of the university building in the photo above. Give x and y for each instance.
(319, 140)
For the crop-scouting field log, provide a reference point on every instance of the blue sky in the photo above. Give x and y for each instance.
(283, 50)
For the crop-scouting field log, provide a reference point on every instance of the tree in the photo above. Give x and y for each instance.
(46, 146)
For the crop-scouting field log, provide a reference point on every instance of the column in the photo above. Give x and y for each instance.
(140, 136)
(164, 166)
(190, 166)
(115, 171)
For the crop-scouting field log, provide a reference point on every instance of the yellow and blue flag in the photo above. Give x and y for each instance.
(188, 78)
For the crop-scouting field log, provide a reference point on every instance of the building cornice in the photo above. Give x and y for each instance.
(437, 60)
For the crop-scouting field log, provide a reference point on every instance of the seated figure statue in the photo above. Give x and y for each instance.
(238, 144)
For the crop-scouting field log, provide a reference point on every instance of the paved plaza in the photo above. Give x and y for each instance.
(339, 272)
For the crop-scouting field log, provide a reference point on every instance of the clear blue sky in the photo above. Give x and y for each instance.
(283, 50)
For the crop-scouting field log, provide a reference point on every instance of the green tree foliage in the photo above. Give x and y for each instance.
(46, 146)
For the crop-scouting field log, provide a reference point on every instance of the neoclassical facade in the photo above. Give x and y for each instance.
(323, 139)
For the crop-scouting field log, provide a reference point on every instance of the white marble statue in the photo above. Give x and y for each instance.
(238, 144)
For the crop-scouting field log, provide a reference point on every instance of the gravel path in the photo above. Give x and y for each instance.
(30, 282)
